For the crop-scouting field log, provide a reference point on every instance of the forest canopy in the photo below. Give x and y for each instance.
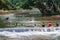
(47, 7)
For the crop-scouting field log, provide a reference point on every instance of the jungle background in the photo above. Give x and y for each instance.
(49, 10)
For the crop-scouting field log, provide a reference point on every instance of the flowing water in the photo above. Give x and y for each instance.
(32, 37)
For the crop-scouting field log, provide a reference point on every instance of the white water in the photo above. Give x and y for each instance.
(30, 35)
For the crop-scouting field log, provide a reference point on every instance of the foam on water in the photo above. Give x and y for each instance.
(26, 35)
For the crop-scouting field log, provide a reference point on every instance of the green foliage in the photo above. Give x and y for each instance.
(12, 4)
(47, 7)
(2, 5)
(2, 23)
(26, 5)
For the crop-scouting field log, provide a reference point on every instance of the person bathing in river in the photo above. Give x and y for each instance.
(57, 24)
(50, 24)
(43, 24)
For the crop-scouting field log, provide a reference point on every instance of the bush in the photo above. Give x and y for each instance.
(2, 23)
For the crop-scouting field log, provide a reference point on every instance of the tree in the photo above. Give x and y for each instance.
(2, 5)
(27, 4)
(47, 7)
